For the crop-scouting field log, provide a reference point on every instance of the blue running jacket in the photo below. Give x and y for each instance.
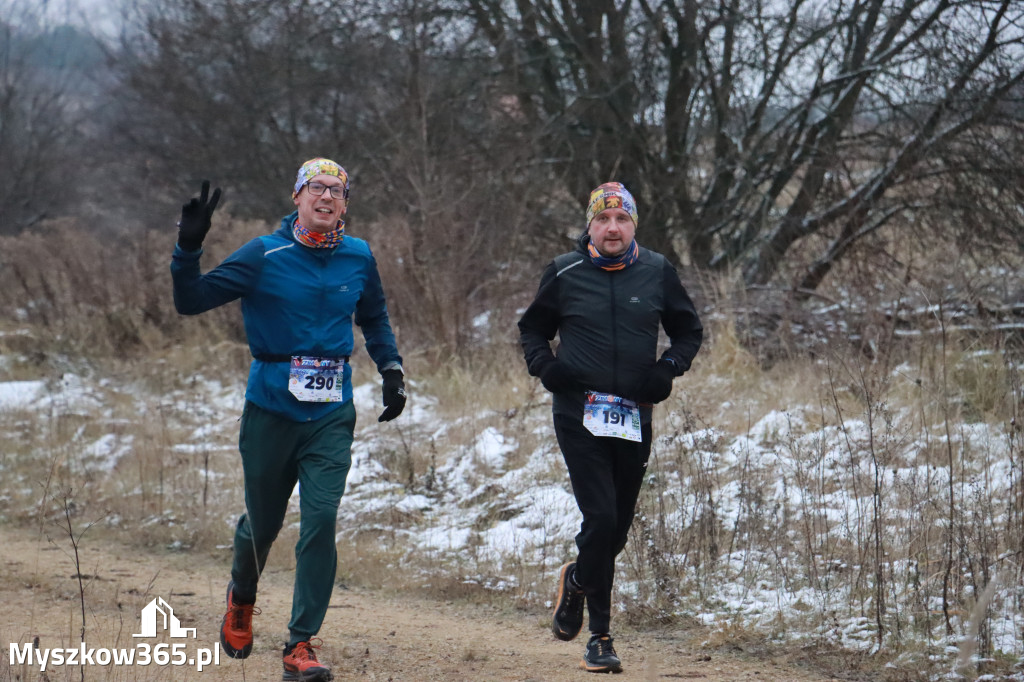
(296, 300)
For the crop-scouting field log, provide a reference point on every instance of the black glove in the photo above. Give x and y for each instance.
(195, 218)
(657, 385)
(393, 391)
(556, 378)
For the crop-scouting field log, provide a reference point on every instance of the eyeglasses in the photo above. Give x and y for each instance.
(318, 188)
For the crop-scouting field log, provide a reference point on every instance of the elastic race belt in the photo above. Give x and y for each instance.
(276, 357)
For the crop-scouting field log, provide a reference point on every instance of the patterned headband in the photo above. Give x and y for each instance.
(319, 166)
(611, 195)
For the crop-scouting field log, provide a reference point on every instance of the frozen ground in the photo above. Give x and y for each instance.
(790, 501)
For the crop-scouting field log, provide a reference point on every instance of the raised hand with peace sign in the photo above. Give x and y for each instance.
(195, 218)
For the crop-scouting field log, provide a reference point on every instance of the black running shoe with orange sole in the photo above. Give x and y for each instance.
(567, 620)
(600, 656)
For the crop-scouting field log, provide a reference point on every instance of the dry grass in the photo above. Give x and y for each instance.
(873, 496)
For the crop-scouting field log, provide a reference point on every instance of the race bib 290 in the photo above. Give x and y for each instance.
(316, 380)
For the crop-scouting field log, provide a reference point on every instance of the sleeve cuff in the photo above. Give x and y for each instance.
(392, 365)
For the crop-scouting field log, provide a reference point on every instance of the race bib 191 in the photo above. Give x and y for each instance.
(316, 380)
(605, 414)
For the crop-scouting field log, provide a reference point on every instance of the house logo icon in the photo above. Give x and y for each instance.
(159, 610)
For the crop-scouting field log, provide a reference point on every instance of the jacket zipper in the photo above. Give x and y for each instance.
(615, 335)
(323, 298)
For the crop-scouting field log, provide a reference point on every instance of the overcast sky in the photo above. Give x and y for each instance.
(102, 15)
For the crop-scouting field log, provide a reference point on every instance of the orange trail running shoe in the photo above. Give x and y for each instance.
(236, 627)
(300, 664)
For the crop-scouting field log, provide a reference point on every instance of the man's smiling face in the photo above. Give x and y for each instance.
(320, 213)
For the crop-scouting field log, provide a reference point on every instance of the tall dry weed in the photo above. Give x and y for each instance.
(107, 294)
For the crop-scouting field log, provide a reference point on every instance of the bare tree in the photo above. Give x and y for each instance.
(241, 91)
(464, 207)
(43, 102)
(761, 134)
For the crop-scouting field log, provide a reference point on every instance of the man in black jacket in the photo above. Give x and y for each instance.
(607, 301)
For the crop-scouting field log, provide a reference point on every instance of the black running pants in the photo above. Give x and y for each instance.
(606, 474)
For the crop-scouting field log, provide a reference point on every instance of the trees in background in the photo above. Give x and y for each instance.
(237, 90)
(243, 91)
(43, 102)
(762, 135)
(774, 140)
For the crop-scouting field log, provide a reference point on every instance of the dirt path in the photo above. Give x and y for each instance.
(367, 636)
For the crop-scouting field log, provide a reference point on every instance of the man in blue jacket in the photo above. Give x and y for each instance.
(301, 288)
(607, 301)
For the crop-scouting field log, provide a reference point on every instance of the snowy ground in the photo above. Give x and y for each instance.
(793, 506)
